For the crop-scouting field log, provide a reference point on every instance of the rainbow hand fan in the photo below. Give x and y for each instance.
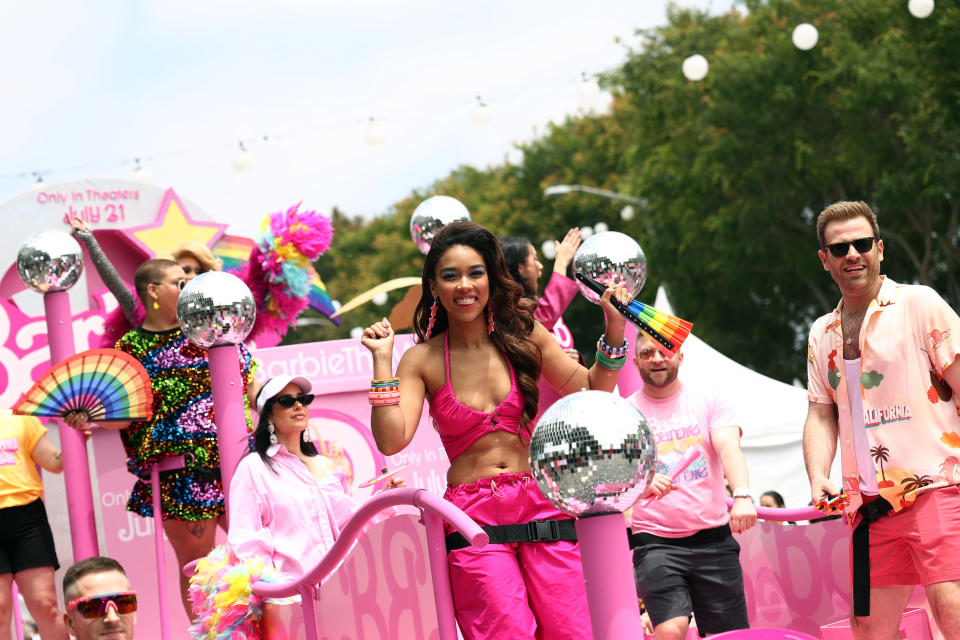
(667, 330)
(106, 384)
(672, 329)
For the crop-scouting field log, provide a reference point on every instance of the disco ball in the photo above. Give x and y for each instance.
(216, 308)
(611, 257)
(433, 214)
(50, 261)
(592, 453)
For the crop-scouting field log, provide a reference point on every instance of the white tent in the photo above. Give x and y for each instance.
(771, 412)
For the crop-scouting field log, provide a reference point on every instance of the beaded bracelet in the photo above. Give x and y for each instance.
(605, 361)
(384, 392)
(612, 352)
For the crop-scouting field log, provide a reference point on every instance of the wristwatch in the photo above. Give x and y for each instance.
(743, 492)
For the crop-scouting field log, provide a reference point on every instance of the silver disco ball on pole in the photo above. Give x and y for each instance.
(592, 453)
(216, 308)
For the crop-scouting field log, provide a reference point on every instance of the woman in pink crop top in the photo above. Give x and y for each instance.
(478, 361)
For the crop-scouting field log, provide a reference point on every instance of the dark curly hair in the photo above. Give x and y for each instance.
(261, 436)
(513, 313)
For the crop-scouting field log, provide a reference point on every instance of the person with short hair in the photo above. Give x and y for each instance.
(882, 381)
(685, 557)
(100, 602)
(181, 433)
(27, 552)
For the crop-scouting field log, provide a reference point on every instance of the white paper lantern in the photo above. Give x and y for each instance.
(920, 8)
(243, 160)
(805, 36)
(600, 227)
(482, 115)
(336, 305)
(627, 212)
(548, 249)
(585, 232)
(142, 176)
(695, 67)
(588, 92)
(356, 333)
(380, 299)
(375, 135)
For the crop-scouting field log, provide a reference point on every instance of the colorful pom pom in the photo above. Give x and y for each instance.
(221, 595)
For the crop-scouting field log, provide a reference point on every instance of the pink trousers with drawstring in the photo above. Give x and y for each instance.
(522, 589)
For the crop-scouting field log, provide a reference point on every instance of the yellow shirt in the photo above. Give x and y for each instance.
(20, 482)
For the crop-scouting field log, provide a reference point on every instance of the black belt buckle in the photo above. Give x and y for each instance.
(543, 530)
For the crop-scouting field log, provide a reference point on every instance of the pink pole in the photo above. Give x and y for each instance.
(17, 614)
(629, 380)
(608, 570)
(226, 383)
(160, 553)
(440, 574)
(76, 469)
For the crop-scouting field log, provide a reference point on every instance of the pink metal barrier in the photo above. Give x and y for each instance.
(434, 510)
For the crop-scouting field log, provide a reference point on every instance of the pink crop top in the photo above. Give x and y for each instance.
(459, 425)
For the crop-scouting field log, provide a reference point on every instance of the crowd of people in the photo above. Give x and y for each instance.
(482, 362)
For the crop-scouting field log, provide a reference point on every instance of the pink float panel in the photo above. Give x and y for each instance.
(382, 590)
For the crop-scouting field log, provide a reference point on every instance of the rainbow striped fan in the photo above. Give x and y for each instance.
(666, 329)
(106, 384)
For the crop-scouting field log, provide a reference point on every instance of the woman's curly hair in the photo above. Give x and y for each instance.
(512, 312)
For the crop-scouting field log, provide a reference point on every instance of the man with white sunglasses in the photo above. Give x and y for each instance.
(100, 602)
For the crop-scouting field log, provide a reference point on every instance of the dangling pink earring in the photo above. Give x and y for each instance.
(433, 317)
(490, 322)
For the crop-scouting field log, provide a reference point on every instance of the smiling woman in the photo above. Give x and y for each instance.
(478, 362)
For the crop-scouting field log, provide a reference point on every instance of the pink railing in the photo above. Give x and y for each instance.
(434, 511)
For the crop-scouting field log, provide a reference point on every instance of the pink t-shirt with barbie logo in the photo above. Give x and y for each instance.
(685, 419)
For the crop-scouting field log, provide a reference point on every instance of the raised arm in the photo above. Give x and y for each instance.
(47, 456)
(819, 448)
(394, 425)
(107, 273)
(566, 375)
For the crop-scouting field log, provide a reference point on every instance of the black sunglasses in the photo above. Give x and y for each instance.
(286, 401)
(840, 249)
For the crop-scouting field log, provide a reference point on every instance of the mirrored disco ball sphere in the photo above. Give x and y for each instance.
(611, 257)
(433, 214)
(593, 452)
(50, 261)
(216, 308)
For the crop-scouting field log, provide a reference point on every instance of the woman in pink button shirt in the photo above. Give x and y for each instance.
(288, 503)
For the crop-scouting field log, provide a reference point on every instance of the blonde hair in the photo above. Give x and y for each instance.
(844, 210)
(199, 252)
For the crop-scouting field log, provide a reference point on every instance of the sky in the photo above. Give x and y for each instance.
(91, 86)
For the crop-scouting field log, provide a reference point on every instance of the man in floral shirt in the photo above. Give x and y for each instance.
(882, 381)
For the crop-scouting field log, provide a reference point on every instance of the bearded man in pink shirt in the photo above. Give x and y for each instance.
(685, 557)
(882, 381)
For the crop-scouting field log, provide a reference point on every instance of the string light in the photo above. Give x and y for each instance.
(920, 8)
(140, 174)
(805, 36)
(482, 115)
(374, 135)
(627, 212)
(695, 68)
(242, 159)
(549, 249)
(588, 91)
(380, 299)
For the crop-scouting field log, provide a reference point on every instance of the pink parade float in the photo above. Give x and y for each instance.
(796, 577)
